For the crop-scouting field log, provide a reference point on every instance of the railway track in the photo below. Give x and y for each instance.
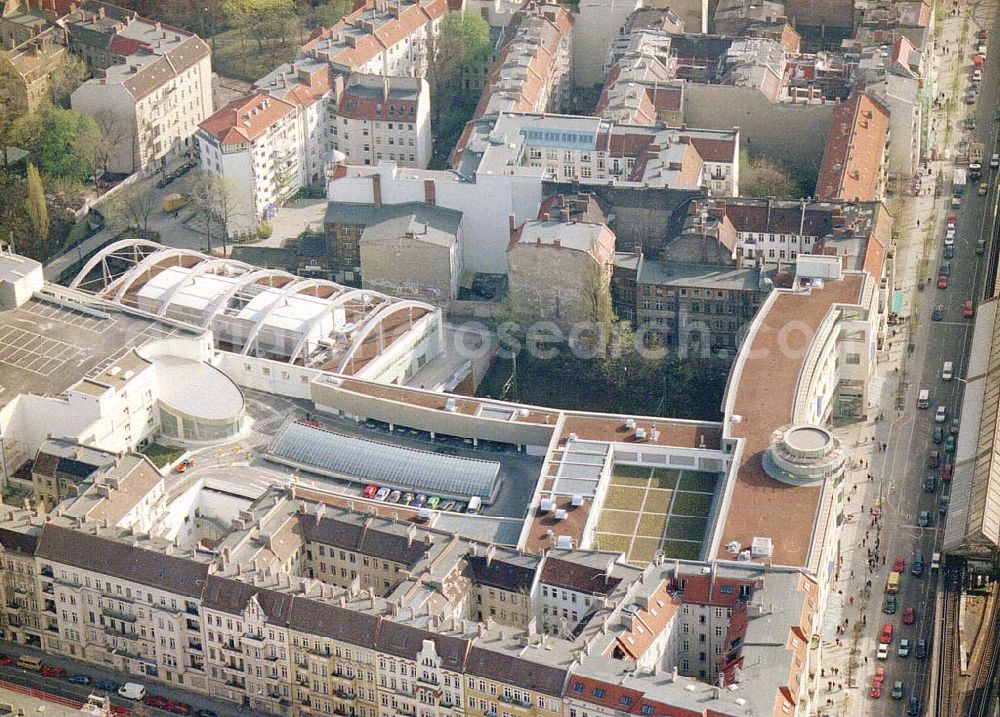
(949, 697)
(981, 688)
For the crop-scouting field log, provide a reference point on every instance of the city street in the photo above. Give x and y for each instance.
(899, 471)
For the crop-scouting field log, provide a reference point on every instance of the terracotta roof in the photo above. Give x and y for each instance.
(765, 396)
(855, 148)
(648, 624)
(244, 120)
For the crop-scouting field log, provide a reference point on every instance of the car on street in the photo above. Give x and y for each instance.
(107, 685)
(184, 465)
(889, 606)
(883, 652)
(980, 246)
(899, 565)
(968, 310)
(938, 435)
(913, 707)
(942, 282)
(178, 708)
(947, 471)
(886, 635)
(6, 661)
(938, 313)
(369, 491)
(917, 568)
(157, 701)
(953, 430)
(903, 649)
(909, 616)
(949, 444)
(995, 160)
(920, 649)
(941, 414)
(949, 252)
(984, 187)
(897, 690)
(875, 691)
(52, 671)
(924, 519)
(930, 483)
(79, 679)
(934, 459)
(943, 505)
(945, 269)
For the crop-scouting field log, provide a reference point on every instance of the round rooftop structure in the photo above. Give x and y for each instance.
(801, 454)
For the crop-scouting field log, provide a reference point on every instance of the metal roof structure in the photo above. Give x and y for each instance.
(268, 313)
(973, 524)
(359, 459)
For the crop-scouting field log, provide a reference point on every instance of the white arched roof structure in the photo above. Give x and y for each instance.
(205, 290)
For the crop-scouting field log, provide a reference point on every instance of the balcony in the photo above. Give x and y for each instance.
(47, 573)
(118, 615)
(195, 646)
(192, 610)
(344, 694)
(518, 702)
(254, 637)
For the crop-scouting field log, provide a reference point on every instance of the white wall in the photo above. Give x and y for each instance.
(95, 99)
(596, 24)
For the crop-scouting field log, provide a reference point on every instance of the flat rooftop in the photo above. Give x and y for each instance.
(765, 397)
(46, 347)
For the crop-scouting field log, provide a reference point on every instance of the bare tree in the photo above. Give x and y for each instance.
(132, 205)
(114, 133)
(216, 199)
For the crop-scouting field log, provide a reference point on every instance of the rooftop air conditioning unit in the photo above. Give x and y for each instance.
(577, 501)
(547, 505)
(451, 405)
(571, 437)
(561, 514)
(761, 547)
(640, 434)
(425, 514)
(564, 542)
(630, 423)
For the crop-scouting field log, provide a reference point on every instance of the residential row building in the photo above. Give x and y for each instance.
(28, 68)
(855, 159)
(340, 612)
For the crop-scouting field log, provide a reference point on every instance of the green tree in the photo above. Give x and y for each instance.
(70, 74)
(326, 14)
(14, 221)
(62, 143)
(762, 177)
(263, 20)
(38, 213)
(457, 55)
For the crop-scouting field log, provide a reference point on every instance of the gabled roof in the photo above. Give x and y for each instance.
(361, 539)
(232, 596)
(530, 675)
(405, 641)
(246, 119)
(321, 618)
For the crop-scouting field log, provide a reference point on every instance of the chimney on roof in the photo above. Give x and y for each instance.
(377, 190)
(511, 224)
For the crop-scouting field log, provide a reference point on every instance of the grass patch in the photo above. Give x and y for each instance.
(681, 549)
(657, 501)
(617, 521)
(629, 481)
(652, 524)
(692, 504)
(627, 471)
(624, 498)
(685, 528)
(698, 481)
(615, 543)
(230, 57)
(162, 455)
(643, 550)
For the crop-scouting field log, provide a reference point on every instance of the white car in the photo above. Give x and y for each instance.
(977, 75)
(995, 160)
(883, 652)
(904, 648)
(382, 493)
(949, 240)
(950, 232)
(941, 414)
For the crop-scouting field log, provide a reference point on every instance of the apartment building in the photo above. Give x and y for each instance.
(377, 118)
(28, 68)
(61, 467)
(381, 38)
(254, 142)
(154, 99)
(20, 600)
(503, 586)
(533, 68)
(854, 160)
(574, 585)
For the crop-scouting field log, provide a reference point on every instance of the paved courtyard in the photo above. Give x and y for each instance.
(649, 509)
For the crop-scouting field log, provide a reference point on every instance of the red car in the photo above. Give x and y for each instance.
(155, 701)
(119, 711)
(178, 708)
(899, 565)
(875, 691)
(967, 310)
(942, 282)
(369, 491)
(909, 616)
(51, 671)
(886, 637)
(946, 472)
(184, 465)
(5, 660)
(933, 459)
(879, 675)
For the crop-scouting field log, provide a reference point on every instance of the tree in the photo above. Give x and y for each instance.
(326, 14)
(132, 205)
(459, 53)
(263, 20)
(762, 177)
(217, 199)
(70, 74)
(264, 230)
(61, 142)
(38, 214)
(113, 132)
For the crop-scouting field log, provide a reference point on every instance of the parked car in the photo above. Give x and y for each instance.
(953, 429)
(941, 414)
(937, 436)
(968, 311)
(886, 636)
(980, 246)
(419, 500)
(949, 444)
(883, 652)
(917, 568)
(933, 459)
(920, 650)
(942, 282)
(949, 252)
(184, 465)
(913, 707)
(206, 713)
(382, 493)
(157, 701)
(984, 187)
(938, 313)
(899, 565)
(947, 471)
(909, 616)
(6, 661)
(107, 685)
(369, 491)
(897, 687)
(904, 648)
(52, 671)
(448, 505)
(889, 606)
(930, 483)
(179, 708)
(433, 501)
(406, 499)
(924, 519)
(394, 496)
(119, 711)
(995, 160)
(79, 679)
(943, 505)
(875, 691)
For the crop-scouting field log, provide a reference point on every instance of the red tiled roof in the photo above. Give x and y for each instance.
(855, 148)
(246, 119)
(125, 45)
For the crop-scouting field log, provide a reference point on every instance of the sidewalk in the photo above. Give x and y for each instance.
(848, 641)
